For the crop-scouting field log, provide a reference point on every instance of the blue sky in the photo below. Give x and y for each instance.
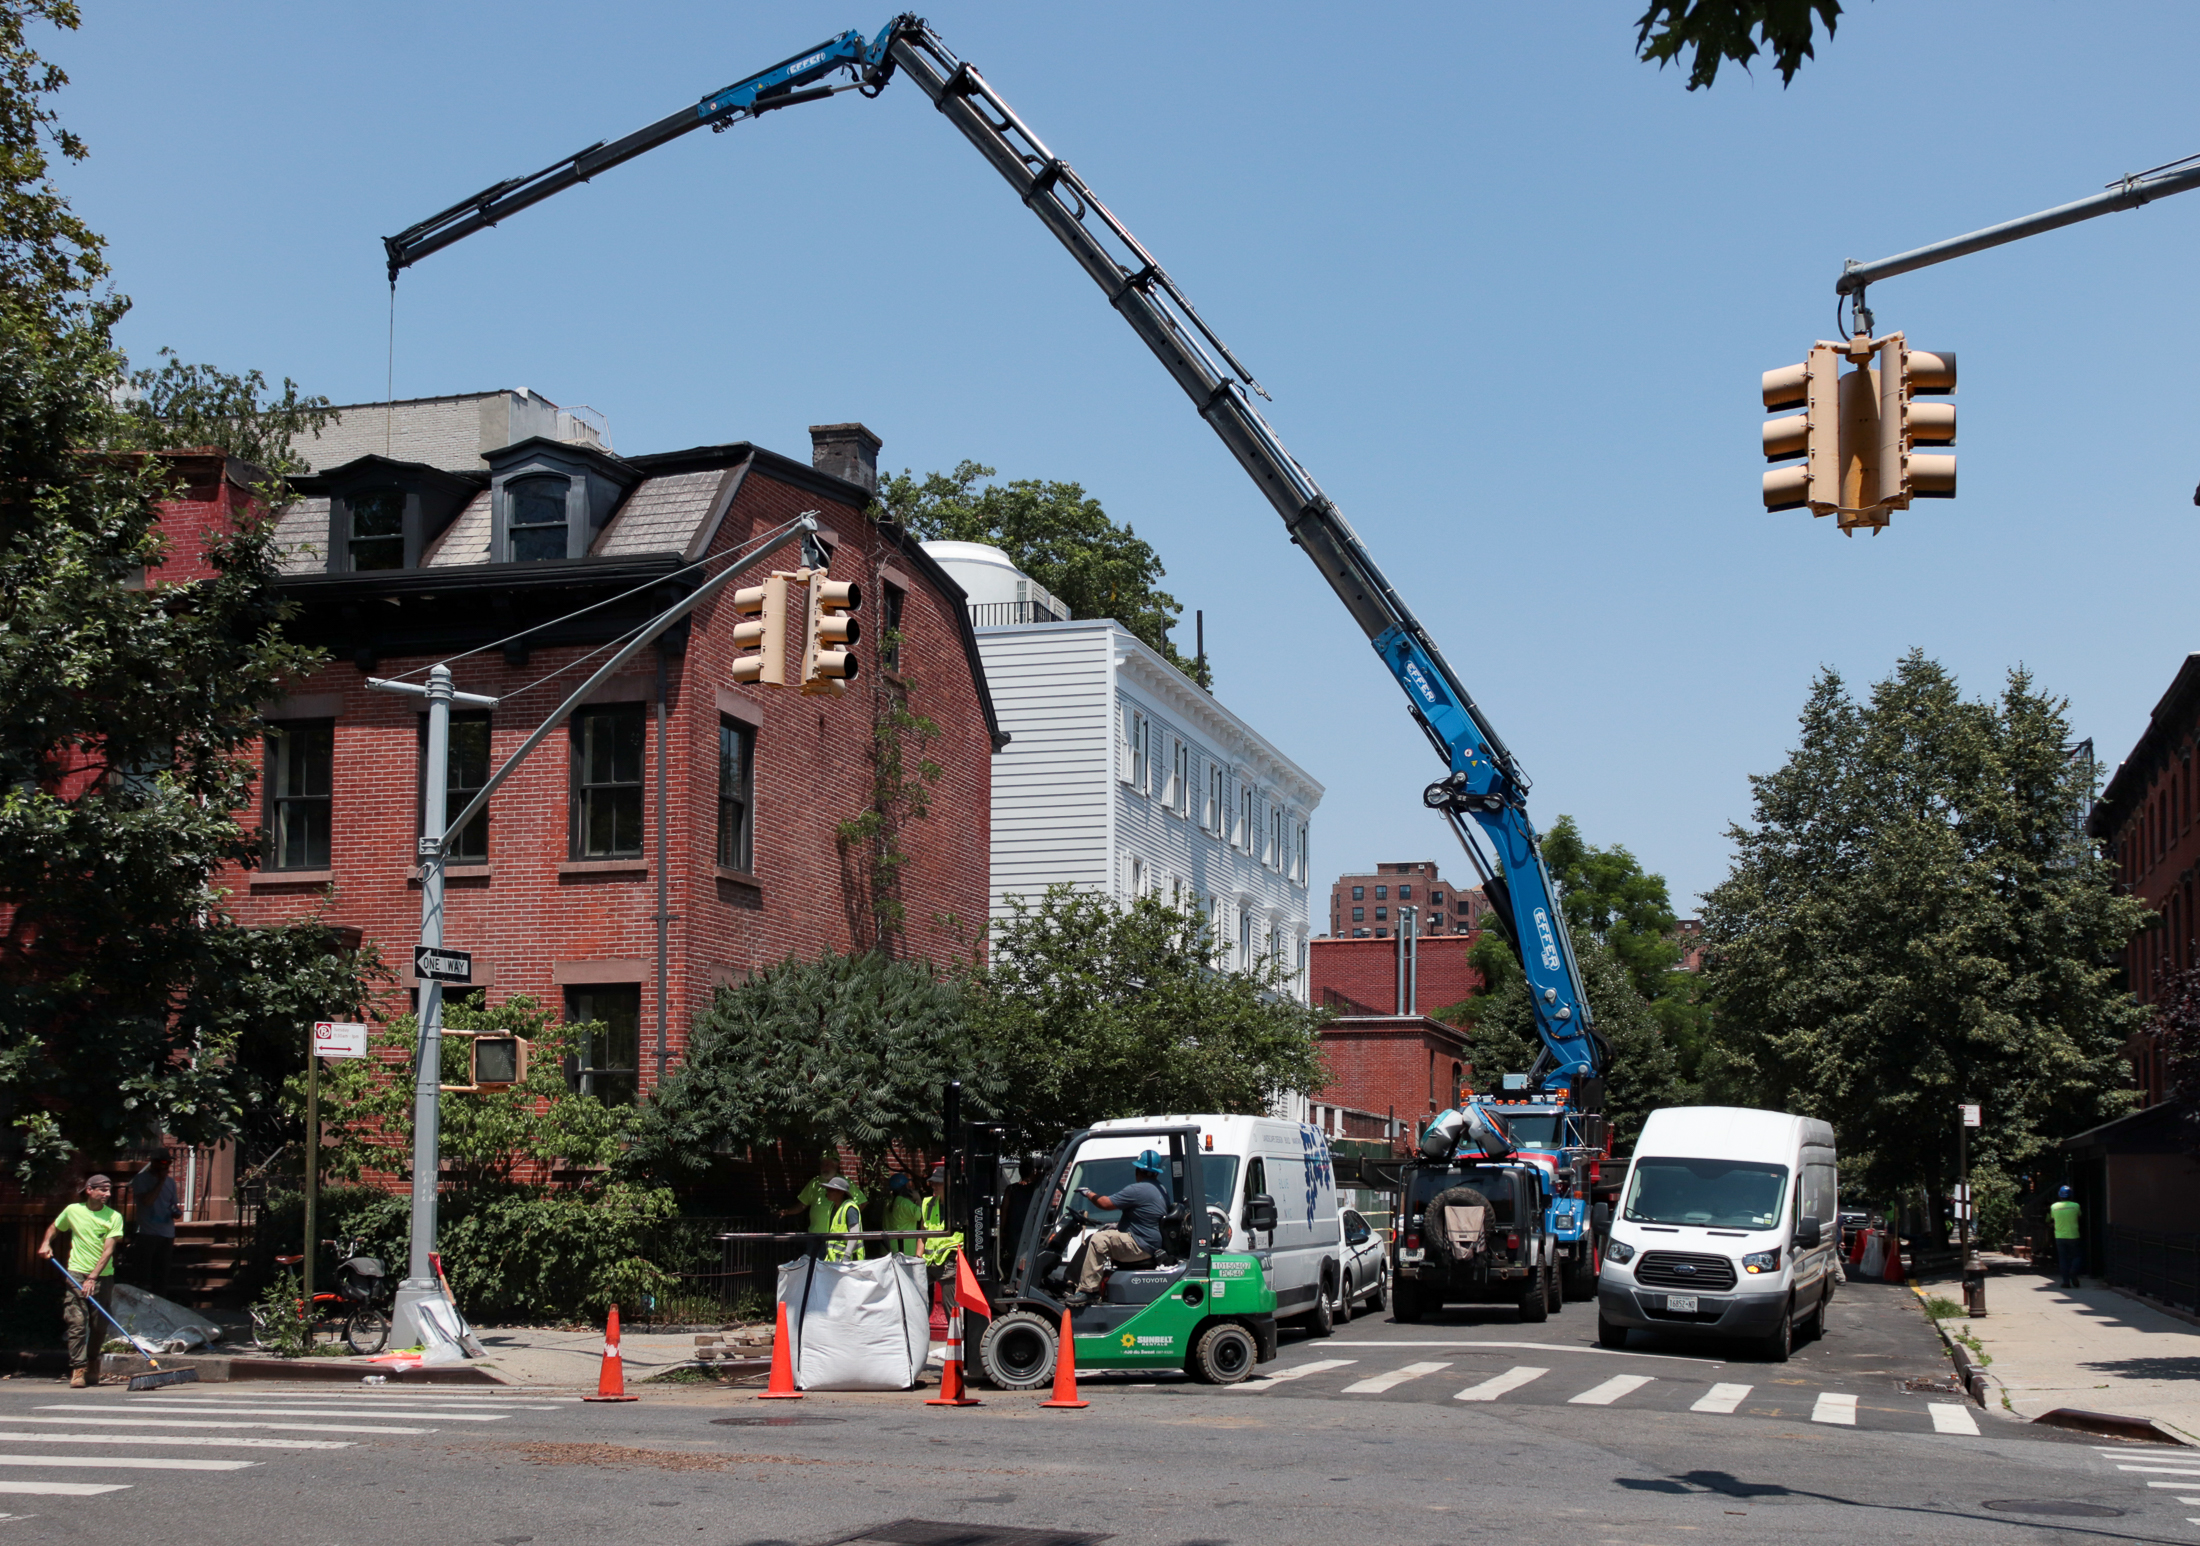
(1512, 291)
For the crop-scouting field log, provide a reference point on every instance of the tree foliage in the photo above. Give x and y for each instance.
(1057, 534)
(1913, 920)
(184, 404)
(126, 713)
(1715, 31)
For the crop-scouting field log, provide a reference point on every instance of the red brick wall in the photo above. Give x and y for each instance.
(1360, 976)
(1388, 1063)
(535, 921)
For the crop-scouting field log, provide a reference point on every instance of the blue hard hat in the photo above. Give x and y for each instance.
(2064, 1194)
(1149, 1160)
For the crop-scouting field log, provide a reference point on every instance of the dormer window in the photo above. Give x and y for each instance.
(536, 521)
(377, 529)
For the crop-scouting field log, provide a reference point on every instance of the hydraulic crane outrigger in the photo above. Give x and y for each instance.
(1484, 781)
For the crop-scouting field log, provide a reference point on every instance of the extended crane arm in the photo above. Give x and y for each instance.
(1483, 781)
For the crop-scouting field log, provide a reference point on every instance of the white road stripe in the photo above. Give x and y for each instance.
(128, 1462)
(1382, 1382)
(1611, 1390)
(415, 1413)
(191, 1422)
(1490, 1389)
(2162, 1470)
(65, 1489)
(187, 1441)
(1834, 1408)
(1318, 1366)
(1950, 1418)
(529, 1403)
(1722, 1398)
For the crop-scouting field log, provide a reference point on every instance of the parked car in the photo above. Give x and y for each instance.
(1366, 1266)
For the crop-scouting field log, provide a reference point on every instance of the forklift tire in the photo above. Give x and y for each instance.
(1535, 1299)
(1017, 1351)
(1224, 1354)
(1405, 1302)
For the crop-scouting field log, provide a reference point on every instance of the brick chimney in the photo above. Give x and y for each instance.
(846, 451)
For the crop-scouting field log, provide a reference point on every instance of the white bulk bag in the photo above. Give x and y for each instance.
(858, 1325)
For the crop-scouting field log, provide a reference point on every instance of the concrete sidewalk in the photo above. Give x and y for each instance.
(535, 1355)
(2091, 1348)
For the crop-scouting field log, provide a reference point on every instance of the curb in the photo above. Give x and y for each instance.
(1973, 1375)
(219, 1370)
(2112, 1426)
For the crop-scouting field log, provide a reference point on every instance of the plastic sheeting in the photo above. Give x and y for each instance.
(862, 1325)
(168, 1326)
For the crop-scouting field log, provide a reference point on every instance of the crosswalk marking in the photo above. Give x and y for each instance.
(194, 1408)
(1490, 1389)
(2164, 1470)
(128, 1462)
(1950, 1418)
(1611, 1390)
(64, 1489)
(195, 1422)
(1833, 1407)
(1722, 1398)
(1382, 1382)
(191, 1441)
(1318, 1366)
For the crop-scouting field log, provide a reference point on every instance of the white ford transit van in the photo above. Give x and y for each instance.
(1727, 1226)
(1247, 1157)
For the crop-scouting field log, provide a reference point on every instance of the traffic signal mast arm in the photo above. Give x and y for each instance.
(1483, 780)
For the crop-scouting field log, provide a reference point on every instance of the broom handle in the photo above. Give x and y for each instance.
(102, 1309)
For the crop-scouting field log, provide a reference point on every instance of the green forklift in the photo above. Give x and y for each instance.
(1206, 1311)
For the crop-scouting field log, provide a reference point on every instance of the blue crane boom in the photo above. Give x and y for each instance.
(1483, 781)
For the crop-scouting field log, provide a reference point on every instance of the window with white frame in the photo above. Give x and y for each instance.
(1215, 939)
(1137, 878)
(1180, 779)
(1139, 733)
(1212, 820)
(1245, 939)
(1272, 853)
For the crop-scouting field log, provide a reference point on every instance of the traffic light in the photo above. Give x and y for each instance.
(765, 608)
(827, 662)
(1856, 432)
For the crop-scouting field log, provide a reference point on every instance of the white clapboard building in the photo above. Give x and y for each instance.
(1121, 775)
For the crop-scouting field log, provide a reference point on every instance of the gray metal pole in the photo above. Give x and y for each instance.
(419, 1281)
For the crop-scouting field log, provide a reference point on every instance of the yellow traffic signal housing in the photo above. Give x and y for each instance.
(764, 608)
(828, 664)
(1856, 432)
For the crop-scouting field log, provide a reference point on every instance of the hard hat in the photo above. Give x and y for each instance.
(2064, 1194)
(837, 1184)
(897, 1182)
(939, 1175)
(1148, 1160)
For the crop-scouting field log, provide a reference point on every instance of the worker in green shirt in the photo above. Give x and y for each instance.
(845, 1219)
(94, 1228)
(939, 1252)
(2062, 1213)
(813, 1198)
(904, 1212)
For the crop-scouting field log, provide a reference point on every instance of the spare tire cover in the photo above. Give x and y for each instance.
(1434, 1237)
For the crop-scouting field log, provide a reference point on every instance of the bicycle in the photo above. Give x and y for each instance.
(357, 1306)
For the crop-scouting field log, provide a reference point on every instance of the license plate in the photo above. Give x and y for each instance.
(1680, 1304)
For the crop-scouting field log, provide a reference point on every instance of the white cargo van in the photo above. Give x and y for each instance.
(1247, 1157)
(1726, 1227)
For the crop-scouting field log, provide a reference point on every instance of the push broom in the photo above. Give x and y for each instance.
(159, 1376)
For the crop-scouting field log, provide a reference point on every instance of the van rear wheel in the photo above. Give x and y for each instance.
(1321, 1320)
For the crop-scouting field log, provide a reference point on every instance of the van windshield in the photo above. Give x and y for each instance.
(1719, 1194)
(1217, 1175)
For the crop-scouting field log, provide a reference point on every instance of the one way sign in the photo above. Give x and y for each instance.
(433, 964)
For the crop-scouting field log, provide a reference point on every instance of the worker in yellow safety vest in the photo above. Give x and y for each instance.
(846, 1218)
(939, 1252)
(903, 1211)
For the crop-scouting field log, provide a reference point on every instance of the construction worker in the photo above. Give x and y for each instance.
(1136, 1241)
(94, 1229)
(2062, 1213)
(844, 1219)
(812, 1196)
(939, 1251)
(903, 1211)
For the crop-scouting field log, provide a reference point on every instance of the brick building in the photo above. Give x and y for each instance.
(681, 829)
(1367, 906)
(1390, 1063)
(1374, 977)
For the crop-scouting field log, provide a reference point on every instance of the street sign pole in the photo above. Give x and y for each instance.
(313, 1161)
(1974, 1278)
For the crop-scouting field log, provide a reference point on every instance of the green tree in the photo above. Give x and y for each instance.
(1715, 31)
(126, 715)
(1089, 1009)
(1057, 534)
(1912, 920)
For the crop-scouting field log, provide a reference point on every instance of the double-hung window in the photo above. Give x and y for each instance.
(610, 1051)
(377, 536)
(467, 768)
(607, 783)
(1139, 769)
(1246, 834)
(301, 755)
(1212, 820)
(1301, 873)
(535, 521)
(1180, 780)
(736, 795)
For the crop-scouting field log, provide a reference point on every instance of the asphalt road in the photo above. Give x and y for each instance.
(1297, 1457)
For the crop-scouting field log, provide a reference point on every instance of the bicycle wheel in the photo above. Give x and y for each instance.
(368, 1330)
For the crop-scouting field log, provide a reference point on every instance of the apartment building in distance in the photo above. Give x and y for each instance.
(1124, 776)
(1367, 906)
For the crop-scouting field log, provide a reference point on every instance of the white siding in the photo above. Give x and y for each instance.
(1052, 783)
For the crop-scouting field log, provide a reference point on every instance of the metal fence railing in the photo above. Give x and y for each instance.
(711, 1278)
(2161, 1266)
(1004, 614)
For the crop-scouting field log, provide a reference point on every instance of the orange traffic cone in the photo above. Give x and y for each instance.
(1065, 1369)
(1894, 1273)
(952, 1390)
(611, 1381)
(781, 1387)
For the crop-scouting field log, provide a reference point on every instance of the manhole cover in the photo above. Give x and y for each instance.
(777, 1420)
(934, 1532)
(2059, 1507)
